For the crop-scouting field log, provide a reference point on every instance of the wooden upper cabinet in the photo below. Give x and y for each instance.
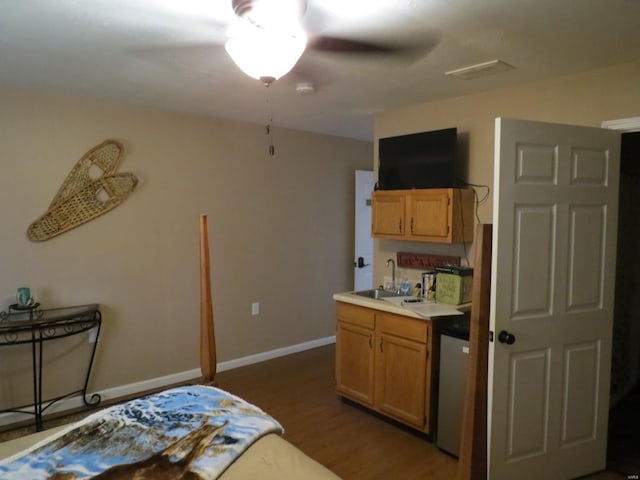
(443, 215)
(388, 213)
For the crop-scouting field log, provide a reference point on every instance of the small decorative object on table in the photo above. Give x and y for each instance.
(23, 296)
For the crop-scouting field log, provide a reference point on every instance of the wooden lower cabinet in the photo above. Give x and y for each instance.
(400, 379)
(354, 362)
(383, 362)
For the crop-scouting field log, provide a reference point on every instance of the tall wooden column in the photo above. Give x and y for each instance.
(208, 361)
(472, 464)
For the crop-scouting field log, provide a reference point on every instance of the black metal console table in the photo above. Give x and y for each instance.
(29, 324)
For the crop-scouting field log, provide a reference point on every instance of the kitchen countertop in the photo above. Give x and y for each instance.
(425, 309)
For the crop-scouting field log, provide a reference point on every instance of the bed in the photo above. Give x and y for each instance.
(196, 432)
(191, 432)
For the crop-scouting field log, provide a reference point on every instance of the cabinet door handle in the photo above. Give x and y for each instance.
(381, 345)
(400, 226)
(411, 224)
(370, 341)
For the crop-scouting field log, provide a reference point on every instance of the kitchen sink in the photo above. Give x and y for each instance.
(376, 293)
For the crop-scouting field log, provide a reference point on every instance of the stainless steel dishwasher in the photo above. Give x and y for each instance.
(454, 364)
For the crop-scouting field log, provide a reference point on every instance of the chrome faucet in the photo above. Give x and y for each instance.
(393, 272)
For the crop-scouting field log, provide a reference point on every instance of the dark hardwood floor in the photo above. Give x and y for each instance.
(298, 390)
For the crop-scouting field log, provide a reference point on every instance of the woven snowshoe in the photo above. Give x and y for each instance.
(102, 159)
(81, 206)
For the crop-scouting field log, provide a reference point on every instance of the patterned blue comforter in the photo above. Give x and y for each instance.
(189, 433)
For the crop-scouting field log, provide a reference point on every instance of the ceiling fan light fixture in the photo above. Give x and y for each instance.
(270, 13)
(265, 53)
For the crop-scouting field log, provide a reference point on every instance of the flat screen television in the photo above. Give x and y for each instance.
(418, 160)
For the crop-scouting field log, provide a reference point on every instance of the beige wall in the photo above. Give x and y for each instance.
(584, 99)
(281, 232)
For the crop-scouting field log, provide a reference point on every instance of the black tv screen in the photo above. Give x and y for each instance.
(418, 160)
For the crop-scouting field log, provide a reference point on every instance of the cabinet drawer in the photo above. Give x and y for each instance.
(404, 327)
(355, 315)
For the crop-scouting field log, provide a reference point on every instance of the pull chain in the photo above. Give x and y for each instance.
(269, 129)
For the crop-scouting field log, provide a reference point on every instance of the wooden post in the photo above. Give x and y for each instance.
(472, 464)
(208, 361)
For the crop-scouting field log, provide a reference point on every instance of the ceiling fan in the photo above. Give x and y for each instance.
(269, 37)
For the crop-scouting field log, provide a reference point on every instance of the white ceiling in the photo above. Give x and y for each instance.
(170, 54)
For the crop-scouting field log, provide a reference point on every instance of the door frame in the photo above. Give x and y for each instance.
(631, 124)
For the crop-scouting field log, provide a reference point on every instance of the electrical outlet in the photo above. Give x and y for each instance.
(255, 308)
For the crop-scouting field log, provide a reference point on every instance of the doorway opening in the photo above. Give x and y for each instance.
(624, 417)
(363, 249)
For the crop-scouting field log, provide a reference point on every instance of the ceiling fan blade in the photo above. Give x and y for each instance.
(403, 52)
(345, 45)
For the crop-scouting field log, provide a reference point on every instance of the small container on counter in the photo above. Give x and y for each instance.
(428, 284)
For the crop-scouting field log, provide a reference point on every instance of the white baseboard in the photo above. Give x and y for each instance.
(160, 382)
(279, 352)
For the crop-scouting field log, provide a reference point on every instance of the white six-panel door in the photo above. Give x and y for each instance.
(555, 221)
(363, 275)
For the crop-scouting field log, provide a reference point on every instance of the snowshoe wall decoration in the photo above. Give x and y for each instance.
(91, 189)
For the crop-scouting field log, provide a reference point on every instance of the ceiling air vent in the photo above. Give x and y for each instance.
(480, 70)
